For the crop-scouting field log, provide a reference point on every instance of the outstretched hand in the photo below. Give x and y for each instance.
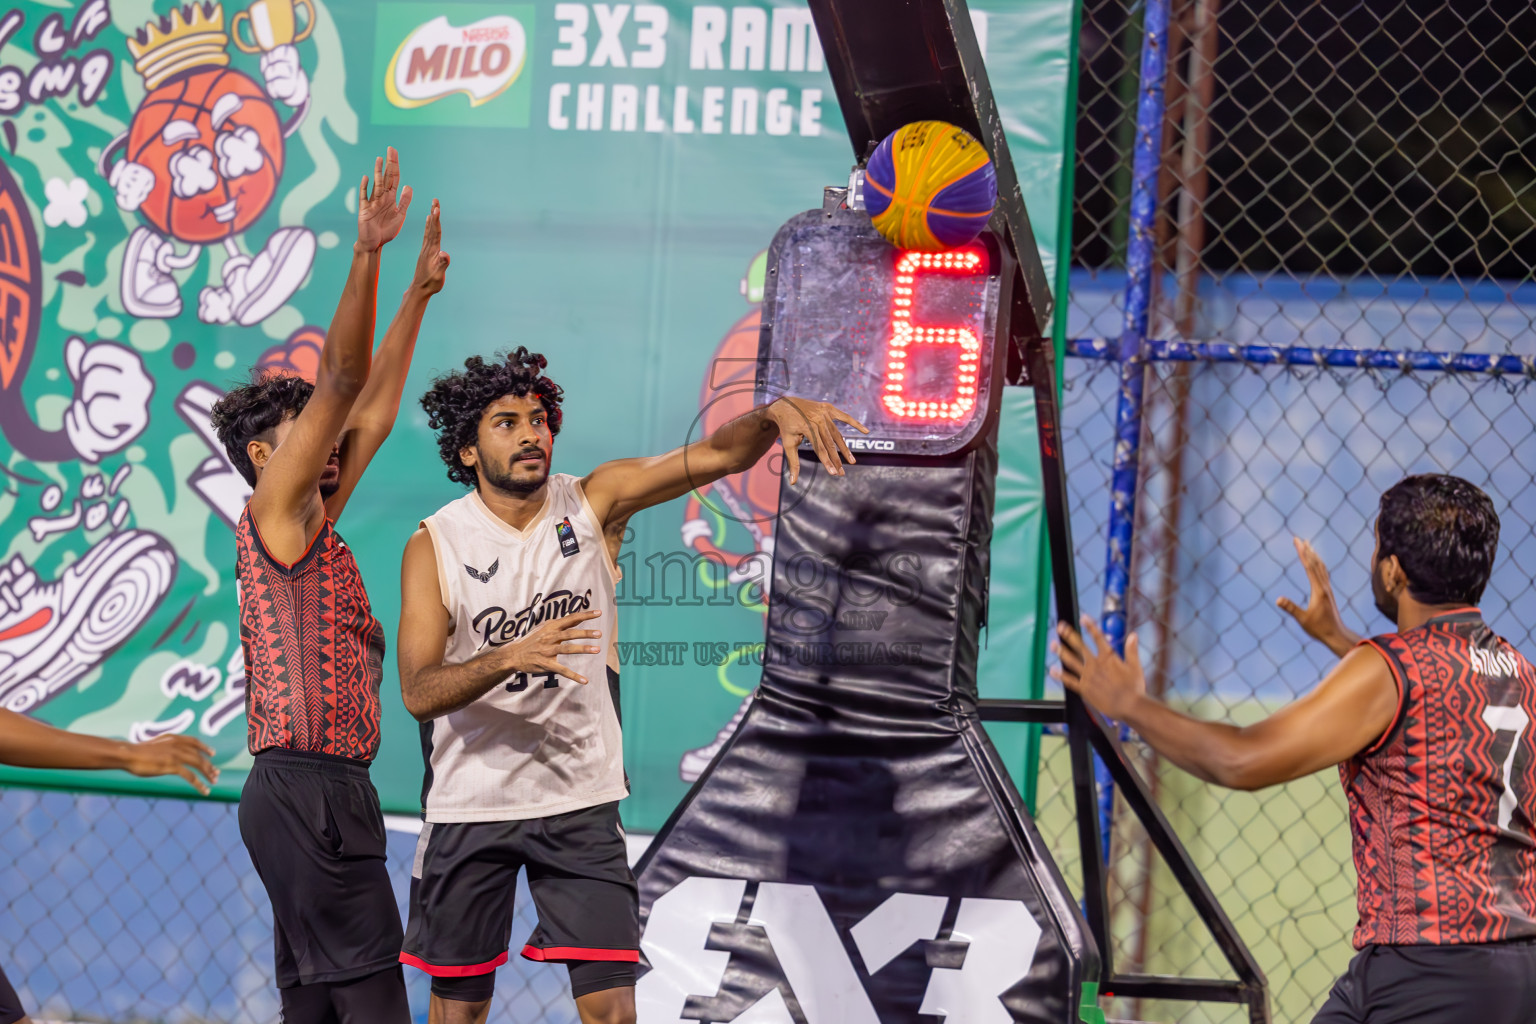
(1320, 619)
(381, 214)
(1105, 680)
(802, 419)
(539, 652)
(432, 263)
(174, 755)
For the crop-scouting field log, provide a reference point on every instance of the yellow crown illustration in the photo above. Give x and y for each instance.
(189, 37)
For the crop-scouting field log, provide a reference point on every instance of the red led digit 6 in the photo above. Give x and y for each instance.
(911, 269)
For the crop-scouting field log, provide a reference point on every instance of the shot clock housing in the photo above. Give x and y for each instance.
(908, 343)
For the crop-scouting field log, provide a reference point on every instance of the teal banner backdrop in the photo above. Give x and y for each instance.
(176, 203)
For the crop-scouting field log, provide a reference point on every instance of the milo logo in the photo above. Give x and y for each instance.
(452, 64)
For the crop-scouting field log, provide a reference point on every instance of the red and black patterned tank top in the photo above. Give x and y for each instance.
(314, 653)
(1441, 806)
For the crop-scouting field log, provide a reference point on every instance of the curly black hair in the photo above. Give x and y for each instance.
(456, 401)
(251, 410)
(1444, 532)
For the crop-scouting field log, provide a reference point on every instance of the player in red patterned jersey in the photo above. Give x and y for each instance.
(309, 814)
(1433, 729)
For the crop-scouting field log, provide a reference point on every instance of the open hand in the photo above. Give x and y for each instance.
(432, 263)
(538, 653)
(802, 419)
(174, 755)
(1320, 619)
(380, 216)
(1110, 683)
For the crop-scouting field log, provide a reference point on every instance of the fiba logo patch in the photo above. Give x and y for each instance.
(458, 64)
(567, 534)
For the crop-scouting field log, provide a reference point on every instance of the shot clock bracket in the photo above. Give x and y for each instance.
(856, 853)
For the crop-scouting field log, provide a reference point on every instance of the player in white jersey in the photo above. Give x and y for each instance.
(507, 615)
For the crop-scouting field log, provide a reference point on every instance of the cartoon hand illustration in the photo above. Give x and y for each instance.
(239, 152)
(192, 172)
(112, 392)
(133, 182)
(285, 79)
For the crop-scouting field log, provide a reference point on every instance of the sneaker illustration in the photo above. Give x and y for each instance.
(694, 762)
(52, 633)
(256, 287)
(148, 290)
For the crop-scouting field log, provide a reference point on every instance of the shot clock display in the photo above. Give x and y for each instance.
(903, 341)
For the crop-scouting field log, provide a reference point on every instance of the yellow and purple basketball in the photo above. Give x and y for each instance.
(930, 186)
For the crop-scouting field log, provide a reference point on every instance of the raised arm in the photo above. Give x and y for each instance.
(430, 687)
(286, 503)
(1320, 619)
(623, 487)
(27, 743)
(1347, 712)
(373, 414)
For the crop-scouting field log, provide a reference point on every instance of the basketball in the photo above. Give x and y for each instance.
(227, 125)
(930, 186)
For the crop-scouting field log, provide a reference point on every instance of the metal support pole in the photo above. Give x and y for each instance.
(1141, 259)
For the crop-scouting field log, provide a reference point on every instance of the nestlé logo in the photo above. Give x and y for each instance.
(439, 59)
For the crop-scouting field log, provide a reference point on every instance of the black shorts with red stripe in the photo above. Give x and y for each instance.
(464, 883)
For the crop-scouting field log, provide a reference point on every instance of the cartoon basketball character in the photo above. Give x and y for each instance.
(201, 161)
(741, 507)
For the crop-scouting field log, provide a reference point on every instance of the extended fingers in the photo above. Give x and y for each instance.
(826, 449)
(838, 414)
(196, 783)
(569, 673)
(1069, 646)
(792, 458)
(835, 437)
(434, 229)
(405, 201)
(1100, 642)
(391, 167)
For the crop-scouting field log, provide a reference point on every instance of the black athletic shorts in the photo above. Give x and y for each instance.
(10, 1002)
(465, 880)
(1485, 983)
(314, 830)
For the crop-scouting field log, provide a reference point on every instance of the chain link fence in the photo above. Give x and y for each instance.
(127, 910)
(1358, 176)
(1333, 178)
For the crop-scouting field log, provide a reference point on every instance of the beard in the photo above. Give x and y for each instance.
(502, 478)
(1385, 603)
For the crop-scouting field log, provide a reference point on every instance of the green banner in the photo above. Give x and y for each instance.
(177, 200)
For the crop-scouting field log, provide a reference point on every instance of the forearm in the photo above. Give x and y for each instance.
(438, 690)
(738, 445)
(1212, 751)
(379, 403)
(348, 348)
(26, 743)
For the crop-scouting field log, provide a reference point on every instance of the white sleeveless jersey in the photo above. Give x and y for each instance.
(530, 747)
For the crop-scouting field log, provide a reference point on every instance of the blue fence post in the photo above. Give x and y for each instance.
(1140, 260)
